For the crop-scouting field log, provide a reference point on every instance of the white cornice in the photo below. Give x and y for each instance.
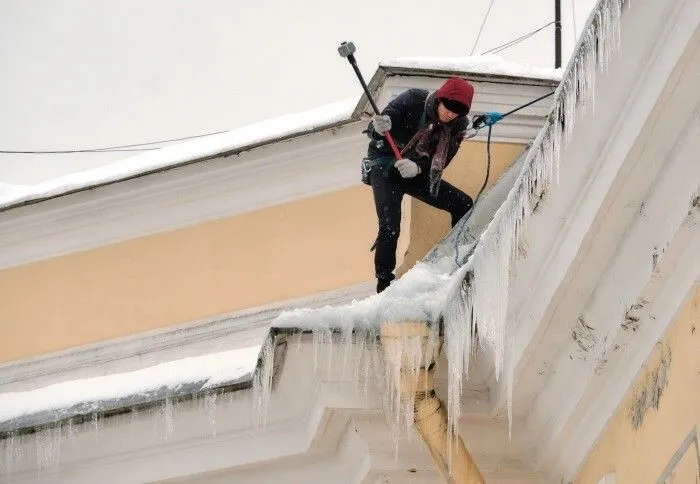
(318, 415)
(491, 95)
(623, 203)
(194, 338)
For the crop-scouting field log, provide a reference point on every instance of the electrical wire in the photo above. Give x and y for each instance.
(511, 43)
(61, 152)
(109, 149)
(481, 28)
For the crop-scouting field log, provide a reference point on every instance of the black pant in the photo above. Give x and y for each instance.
(388, 193)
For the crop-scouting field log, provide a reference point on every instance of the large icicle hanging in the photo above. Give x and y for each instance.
(262, 383)
(478, 303)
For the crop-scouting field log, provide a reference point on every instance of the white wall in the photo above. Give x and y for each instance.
(86, 73)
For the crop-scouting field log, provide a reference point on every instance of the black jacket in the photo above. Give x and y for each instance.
(406, 111)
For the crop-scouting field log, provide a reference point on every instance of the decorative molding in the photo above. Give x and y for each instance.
(520, 127)
(690, 441)
(329, 419)
(626, 181)
(226, 331)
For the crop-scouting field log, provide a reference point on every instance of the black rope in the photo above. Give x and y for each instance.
(481, 190)
(466, 217)
(527, 104)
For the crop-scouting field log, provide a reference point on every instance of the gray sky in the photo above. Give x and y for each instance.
(85, 73)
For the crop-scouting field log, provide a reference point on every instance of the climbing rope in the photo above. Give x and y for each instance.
(487, 119)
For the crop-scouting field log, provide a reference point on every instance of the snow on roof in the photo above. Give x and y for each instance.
(251, 135)
(420, 295)
(9, 190)
(483, 64)
(258, 133)
(79, 397)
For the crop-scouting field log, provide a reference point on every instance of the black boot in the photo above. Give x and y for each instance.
(383, 284)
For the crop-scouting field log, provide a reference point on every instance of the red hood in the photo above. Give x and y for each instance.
(457, 89)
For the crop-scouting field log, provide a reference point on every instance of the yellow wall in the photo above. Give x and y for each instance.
(640, 440)
(282, 252)
(273, 254)
(467, 172)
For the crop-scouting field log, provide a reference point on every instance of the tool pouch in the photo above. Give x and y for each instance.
(365, 169)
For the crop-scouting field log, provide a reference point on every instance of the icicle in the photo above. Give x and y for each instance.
(134, 420)
(322, 339)
(13, 454)
(347, 343)
(404, 360)
(97, 424)
(168, 417)
(210, 400)
(262, 384)
(373, 368)
(458, 327)
(48, 447)
(316, 337)
(294, 341)
(328, 342)
(479, 295)
(69, 430)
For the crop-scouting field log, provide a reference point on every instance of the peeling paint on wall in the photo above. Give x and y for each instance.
(694, 204)
(584, 335)
(656, 255)
(632, 316)
(648, 396)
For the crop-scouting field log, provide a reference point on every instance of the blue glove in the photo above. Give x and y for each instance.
(492, 117)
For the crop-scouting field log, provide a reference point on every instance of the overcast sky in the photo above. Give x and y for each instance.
(85, 73)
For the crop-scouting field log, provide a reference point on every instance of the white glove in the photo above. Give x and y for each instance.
(381, 123)
(407, 168)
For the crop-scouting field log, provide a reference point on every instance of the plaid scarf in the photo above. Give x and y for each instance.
(420, 145)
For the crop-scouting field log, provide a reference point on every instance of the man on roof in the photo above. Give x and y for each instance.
(428, 129)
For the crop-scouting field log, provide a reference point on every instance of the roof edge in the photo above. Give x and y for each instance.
(26, 200)
(397, 70)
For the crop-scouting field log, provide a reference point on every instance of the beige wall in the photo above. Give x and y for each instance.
(641, 440)
(264, 256)
(286, 251)
(467, 172)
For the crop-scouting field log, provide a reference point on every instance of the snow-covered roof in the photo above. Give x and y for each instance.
(488, 64)
(251, 136)
(240, 139)
(167, 380)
